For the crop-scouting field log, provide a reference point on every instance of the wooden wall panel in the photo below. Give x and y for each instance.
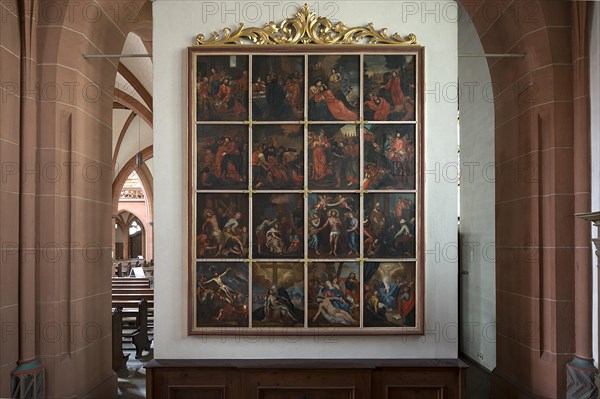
(197, 392)
(418, 392)
(305, 393)
(306, 379)
(446, 383)
(309, 383)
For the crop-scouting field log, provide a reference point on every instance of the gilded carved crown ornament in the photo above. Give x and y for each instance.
(305, 28)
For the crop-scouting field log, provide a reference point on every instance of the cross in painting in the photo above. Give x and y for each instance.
(273, 268)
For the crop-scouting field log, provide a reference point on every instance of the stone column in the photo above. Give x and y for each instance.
(581, 371)
(594, 217)
(28, 376)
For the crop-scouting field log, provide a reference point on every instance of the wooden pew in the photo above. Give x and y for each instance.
(118, 358)
(130, 282)
(134, 285)
(130, 305)
(135, 299)
(140, 335)
(124, 289)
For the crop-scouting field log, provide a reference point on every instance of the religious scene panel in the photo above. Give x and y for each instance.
(277, 294)
(334, 92)
(279, 203)
(222, 88)
(333, 294)
(222, 225)
(389, 157)
(389, 294)
(222, 154)
(278, 157)
(389, 225)
(277, 87)
(333, 157)
(278, 227)
(222, 294)
(390, 87)
(333, 225)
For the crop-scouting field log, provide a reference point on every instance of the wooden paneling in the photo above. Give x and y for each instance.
(306, 384)
(417, 392)
(426, 382)
(305, 393)
(306, 379)
(197, 392)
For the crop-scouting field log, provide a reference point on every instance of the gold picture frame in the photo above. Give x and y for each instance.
(305, 171)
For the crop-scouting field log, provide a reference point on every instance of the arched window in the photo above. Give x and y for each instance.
(136, 239)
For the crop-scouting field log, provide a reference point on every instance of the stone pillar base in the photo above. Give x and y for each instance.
(581, 375)
(27, 380)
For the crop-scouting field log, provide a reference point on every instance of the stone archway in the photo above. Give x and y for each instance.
(543, 280)
(61, 146)
(136, 240)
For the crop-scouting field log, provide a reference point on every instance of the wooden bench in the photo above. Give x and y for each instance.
(137, 289)
(135, 300)
(130, 303)
(139, 333)
(130, 282)
(118, 358)
(134, 297)
(134, 284)
(140, 292)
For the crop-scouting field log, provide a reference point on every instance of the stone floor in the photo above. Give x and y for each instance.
(132, 378)
(478, 381)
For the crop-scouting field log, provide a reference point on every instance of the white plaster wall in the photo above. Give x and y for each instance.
(477, 198)
(175, 25)
(595, 113)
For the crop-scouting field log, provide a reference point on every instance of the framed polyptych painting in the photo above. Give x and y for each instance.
(305, 166)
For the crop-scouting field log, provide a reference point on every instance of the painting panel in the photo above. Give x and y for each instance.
(333, 225)
(334, 93)
(278, 157)
(222, 88)
(222, 225)
(389, 157)
(277, 88)
(389, 225)
(333, 294)
(281, 175)
(278, 225)
(222, 294)
(333, 157)
(389, 294)
(222, 157)
(277, 294)
(390, 87)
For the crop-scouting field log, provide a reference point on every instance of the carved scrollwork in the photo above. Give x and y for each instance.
(306, 28)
